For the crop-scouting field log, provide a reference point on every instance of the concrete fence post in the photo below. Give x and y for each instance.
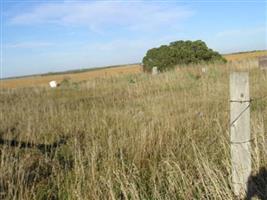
(240, 131)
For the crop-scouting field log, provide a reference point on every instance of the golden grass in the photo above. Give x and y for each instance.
(131, 136)
(76, 77)
(248, 55)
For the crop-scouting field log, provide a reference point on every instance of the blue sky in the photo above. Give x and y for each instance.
(45, 36)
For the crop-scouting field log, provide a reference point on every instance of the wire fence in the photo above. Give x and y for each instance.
(251, 101)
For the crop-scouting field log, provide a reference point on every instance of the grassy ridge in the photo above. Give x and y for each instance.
(131, 136)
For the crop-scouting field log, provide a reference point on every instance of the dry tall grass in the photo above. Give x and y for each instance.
(127, 137)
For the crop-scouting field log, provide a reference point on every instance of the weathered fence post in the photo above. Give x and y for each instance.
(240, 131)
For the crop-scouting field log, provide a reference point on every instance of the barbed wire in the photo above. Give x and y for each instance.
(250, 101)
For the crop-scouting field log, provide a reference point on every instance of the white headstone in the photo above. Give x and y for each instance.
(53, 84)
(204, 69)
(154, 71)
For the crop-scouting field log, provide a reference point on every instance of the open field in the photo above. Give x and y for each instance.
(130, 136)
(76, 77)
(245, 55)
(81, 76)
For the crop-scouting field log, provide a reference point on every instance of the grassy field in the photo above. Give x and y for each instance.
(245, 55)
(129, 136)
(76, 77)
(43, 80)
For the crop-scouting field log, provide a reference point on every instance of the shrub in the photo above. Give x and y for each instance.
(65, 82)
(180, 52)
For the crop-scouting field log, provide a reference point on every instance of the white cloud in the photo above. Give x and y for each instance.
(29, 45)
(101, 15)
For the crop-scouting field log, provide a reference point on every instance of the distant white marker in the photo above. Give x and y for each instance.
(155, 71)
(53, 84)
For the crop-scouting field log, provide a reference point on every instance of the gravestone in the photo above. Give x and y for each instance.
(155, 71)
(53, 84)
(204, 70)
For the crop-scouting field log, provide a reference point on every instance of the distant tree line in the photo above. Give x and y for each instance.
(180, 52)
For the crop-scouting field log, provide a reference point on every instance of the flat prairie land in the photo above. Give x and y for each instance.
(129, 136)
(76, 77)
(113, 71)
(245, 55)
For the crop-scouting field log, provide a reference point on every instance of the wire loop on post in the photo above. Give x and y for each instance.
(241, 101)
(242, 142)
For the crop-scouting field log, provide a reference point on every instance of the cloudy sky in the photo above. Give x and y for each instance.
(41, 36)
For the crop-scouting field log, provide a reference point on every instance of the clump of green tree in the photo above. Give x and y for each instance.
(180, 52)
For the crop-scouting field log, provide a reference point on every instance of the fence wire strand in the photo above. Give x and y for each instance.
(251, 101)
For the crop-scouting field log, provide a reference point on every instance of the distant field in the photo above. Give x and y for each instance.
(44, 80)
(245, 55)
(85, 75)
